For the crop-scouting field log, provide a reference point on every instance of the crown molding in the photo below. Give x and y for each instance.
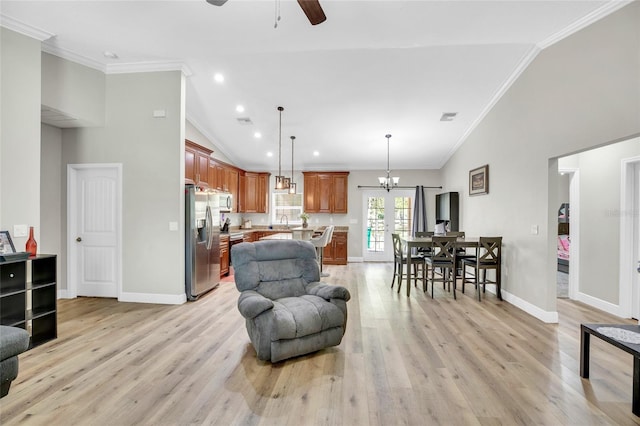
(116, 68)
(24, 29)
(47, 47)
(151, 66)
(605, 10)
(522, 65)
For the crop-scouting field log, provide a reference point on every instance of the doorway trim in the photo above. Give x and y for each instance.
(627, 205)
(72, 204)
(574, 230)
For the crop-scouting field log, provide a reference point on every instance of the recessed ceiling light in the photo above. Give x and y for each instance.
(239, 108)
(110, 55)
(257, 135)
(269, 154)
(316, 153)
(219, 78)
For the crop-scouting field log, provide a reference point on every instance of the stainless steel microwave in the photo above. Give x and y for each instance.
(225, 202)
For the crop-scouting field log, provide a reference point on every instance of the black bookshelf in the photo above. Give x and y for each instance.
(28, 296)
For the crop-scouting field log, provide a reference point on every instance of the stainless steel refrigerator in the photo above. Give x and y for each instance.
(202, 241)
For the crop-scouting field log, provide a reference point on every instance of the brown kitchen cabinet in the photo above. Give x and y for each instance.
(216, 176)
(253, 192)
(224, 255)
(196, 163)
(335, 253)
(326, 192)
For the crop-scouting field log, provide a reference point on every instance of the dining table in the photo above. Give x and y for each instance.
(426, 242)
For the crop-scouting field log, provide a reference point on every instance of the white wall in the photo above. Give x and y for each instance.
(151, 151)
(74, 89)
(19, 134)
(580, 93)
(51, 184)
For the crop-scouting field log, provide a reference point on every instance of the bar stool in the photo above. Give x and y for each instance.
(320, 243)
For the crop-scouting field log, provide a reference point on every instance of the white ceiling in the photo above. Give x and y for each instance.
(374, 67)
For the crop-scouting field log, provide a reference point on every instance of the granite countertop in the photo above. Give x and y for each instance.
(284, 229)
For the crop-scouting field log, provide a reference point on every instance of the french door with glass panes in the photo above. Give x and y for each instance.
(385, 213)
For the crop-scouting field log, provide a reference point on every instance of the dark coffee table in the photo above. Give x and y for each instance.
(586, 330)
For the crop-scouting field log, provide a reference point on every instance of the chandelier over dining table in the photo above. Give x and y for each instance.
(388, 182)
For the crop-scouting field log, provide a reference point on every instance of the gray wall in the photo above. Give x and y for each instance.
(19, 134)
(580, 93)
(151, 151)
(600, 217)
(77, 90)
(51, 196)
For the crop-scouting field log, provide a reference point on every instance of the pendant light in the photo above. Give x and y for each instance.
(281, 181)
(388, 182)
(292, 184)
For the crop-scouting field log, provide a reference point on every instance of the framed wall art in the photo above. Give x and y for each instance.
(479, 180)
(6, 245)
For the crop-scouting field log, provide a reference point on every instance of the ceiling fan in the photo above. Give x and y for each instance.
(311, 8)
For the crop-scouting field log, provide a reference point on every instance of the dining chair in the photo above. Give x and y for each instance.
(400, 257)
(461, 252)
(489, 256)
(443, 257)
(423, 234)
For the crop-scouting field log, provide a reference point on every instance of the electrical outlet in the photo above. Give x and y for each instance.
(20, 230)
(534, 229)
(173, 226)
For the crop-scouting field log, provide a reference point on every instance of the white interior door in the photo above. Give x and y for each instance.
(385, 213)
(94, 230)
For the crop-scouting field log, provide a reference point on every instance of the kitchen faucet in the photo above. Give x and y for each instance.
(284, 216)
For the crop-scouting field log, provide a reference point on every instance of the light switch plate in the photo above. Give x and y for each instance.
(20, 230)
(173, 226)
(534, 229)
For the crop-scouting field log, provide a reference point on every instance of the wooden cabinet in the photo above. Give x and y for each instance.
(326, 192)
(28, 296)
(232, 184)
(249, 237)
(196, 164)
(216, 176)
(253, 192)
(224, 255)
(335, 253)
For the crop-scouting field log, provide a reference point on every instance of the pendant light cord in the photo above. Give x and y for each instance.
(280, 143)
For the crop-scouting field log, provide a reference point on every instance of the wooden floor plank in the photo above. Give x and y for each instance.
(403, 360)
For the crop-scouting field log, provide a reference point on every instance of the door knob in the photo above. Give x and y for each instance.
(78, 239)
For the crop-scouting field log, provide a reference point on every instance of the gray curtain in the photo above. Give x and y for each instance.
(420, 211)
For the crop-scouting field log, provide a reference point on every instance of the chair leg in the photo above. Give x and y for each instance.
(477, 284)
(395, 272)
(499, 281)
(400, 275)
(454, 274)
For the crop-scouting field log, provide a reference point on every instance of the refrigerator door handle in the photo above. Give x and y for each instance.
(209, 227)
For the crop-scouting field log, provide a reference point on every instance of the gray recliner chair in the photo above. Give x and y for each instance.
(288, 311)
(13, 341)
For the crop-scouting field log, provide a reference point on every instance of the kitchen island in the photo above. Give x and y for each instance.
(279, 236)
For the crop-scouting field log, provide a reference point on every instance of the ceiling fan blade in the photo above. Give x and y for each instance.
(313, 10)
(217, 2)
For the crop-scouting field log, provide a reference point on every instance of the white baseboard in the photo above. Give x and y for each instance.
(355, 259)
(608, 307)
(163, 299)
(544, 316)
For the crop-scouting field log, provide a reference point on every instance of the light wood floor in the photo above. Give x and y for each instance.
(414, 361)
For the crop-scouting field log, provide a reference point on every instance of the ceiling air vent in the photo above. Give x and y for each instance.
(244, 121)
(448, 116)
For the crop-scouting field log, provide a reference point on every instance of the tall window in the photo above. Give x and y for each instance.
(286, 208)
